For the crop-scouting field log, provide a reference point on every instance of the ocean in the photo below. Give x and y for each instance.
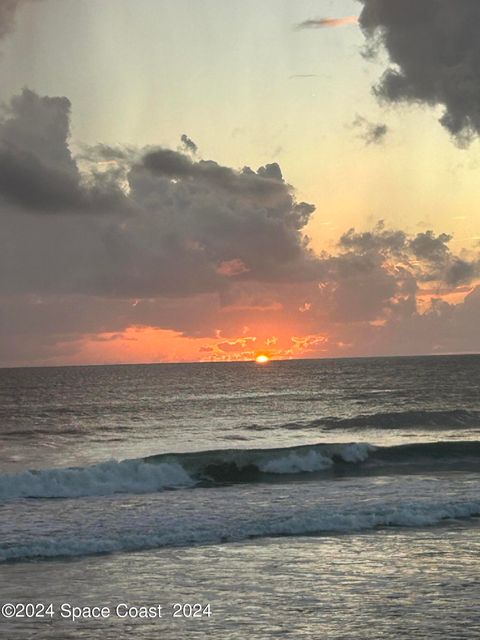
(295, 499)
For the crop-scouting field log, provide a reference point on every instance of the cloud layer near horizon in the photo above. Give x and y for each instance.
(116, 238)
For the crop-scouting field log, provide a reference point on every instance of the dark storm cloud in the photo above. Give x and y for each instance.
(37, 170)
(220, 215)
(267, 183)
(434, 49)
(25, 181)
(370, 132)
(176, 226)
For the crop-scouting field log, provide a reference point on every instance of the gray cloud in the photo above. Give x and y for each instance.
(426, 256)
(267, 183)
(189, 144)
(176, 226)
(37, 170)
(8, 10)
(442, 328)
(432, 248)
(434, 49)
(370, 132)
(121, 237)
(438, 262)
(461, 271)
(379, 239)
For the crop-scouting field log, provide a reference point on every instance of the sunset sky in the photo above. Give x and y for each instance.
(186, 180)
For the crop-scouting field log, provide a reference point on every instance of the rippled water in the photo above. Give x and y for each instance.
(316, 499)
(384, 584)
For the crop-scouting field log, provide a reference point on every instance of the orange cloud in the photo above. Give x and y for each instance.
(149, 344)
(236, 346)
(140, 345)
(322, 23)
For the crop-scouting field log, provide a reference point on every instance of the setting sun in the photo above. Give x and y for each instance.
(262, 359)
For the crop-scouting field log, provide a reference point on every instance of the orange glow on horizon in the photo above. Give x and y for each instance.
(138, 344)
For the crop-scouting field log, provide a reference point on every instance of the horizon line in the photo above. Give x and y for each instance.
(272, 360)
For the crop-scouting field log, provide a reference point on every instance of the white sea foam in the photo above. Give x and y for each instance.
(315, 459)
(214, 530)
(217, 467)
(296, 463)
(355, 452)
(173, 471)
(130, 476)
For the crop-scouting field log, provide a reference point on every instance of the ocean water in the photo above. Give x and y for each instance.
(301, 499)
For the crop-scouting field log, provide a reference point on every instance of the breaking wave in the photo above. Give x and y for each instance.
(231, 466)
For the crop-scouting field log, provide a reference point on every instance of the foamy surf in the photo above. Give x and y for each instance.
(212, 530)
(107, 478)
(231, 466)
(175, 471)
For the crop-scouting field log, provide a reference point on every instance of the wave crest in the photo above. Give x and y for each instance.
(229, 466)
